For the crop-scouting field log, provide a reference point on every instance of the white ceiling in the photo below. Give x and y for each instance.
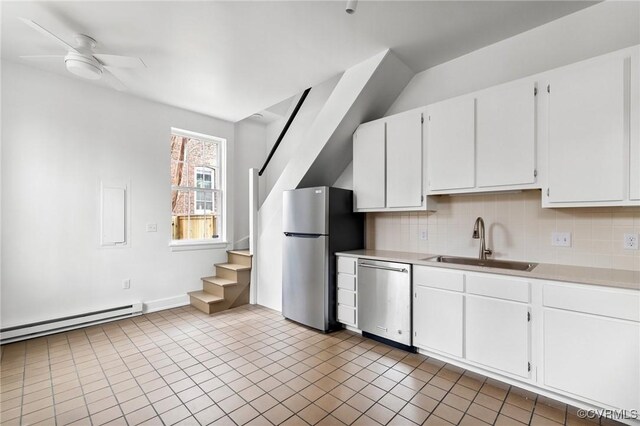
(231, 59)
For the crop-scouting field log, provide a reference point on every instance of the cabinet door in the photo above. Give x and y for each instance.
(586, 133)
(497, 334)
(593, 357)
(437, 320)
(404, 160)
(634, 166)
(369, 167)
(505, 135)
(451, 145)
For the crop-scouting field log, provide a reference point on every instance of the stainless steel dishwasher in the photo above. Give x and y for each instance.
(384, 300)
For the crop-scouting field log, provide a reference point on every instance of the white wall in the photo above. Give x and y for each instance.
(364, 91)
(295, 135)
(250, 151)
(60, 136)
(345, 181)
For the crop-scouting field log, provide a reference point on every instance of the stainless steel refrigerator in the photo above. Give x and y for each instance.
(317, 223)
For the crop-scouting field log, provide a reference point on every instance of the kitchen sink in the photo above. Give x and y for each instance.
(489, 263)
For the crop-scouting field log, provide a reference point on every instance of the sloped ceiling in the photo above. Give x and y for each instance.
(230, 59)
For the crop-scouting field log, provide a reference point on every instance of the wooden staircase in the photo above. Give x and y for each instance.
(228, 288)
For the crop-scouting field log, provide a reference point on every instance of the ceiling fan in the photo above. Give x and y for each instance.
(83, 62)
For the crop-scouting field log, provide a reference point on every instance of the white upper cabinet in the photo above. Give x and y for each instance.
(593, 145)
(451, 145)
(404, 160)
(369, 166)
(634, 166)
(388, 158)
(587, 133)
(505, 135)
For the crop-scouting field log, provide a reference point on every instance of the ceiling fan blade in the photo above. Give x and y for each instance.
(42, 57)
(113, 81)
(117, 61)
(48, 34)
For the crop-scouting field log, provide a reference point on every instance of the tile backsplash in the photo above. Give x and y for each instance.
(517, 228)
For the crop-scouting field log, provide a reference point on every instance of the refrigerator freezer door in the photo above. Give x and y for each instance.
(306, 211)
(304, 279)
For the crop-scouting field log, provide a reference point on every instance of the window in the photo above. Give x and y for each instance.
(204, 199)
(197, 187)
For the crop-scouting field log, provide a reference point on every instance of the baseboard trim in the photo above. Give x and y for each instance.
(166, 303)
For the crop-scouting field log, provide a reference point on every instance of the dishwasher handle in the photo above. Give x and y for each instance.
(386, 268)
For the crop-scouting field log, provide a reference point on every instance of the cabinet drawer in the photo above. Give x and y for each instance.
(347, 282)
(438, 278)
(347, 265)
(597, 301)
(500, 287)
(346, 315)
(346, 298)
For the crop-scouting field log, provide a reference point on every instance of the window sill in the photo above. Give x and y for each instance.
(196, 245)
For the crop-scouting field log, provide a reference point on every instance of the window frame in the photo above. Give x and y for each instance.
(219, 172)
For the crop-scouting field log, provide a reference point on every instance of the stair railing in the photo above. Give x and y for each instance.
(284, 130)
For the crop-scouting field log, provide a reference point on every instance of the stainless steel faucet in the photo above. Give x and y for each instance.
(478, 233)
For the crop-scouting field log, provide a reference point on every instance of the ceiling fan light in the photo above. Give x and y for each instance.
(83, 67)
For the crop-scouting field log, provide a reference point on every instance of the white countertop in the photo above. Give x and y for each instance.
(617, 278)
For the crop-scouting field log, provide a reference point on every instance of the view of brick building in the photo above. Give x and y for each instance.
(195, 179)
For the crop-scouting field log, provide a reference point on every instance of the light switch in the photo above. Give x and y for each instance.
(152, 227)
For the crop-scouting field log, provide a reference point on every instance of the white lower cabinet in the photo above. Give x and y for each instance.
(593, 357)
(497, 334)
(438, 320)
(577, 341)
(347, 297)
(591, 343)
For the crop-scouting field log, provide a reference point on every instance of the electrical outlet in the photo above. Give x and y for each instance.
(561, 239)
(631, 241)
(422, 234)
(152, 227)
(126, 284)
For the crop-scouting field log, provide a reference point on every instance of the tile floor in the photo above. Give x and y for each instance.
(246, 366)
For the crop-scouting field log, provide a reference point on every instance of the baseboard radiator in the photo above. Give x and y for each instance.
(58, 325)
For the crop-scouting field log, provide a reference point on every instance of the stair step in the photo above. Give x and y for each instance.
(222, 282)
(206, 297)
(233, 266)
(240, 252)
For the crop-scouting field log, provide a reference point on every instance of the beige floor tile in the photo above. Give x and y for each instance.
(175, 415)
(517, 413)
(139, 416)
(244, 414)
(448, 413)
(414, 413)
(277, 414)
(346, 414)
(181, 367)
(209, 415)
(503, 420)
(552, 413)
(296, 403)
(106, 416)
